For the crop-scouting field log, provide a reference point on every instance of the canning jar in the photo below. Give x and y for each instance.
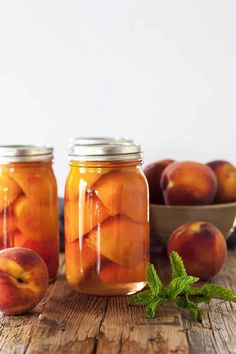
(28, 202)
(106, 219)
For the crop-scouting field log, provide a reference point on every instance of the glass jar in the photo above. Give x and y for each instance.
(28, 202)
(106, 219)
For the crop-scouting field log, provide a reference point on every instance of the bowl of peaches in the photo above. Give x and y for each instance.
(186, 192)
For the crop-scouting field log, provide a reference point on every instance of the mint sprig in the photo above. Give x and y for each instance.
(180, 289)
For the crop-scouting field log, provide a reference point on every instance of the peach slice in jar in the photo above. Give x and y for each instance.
(36, 222)
(38, 183)
(48, 250)
(83, 215)
(80, 257)
(124, 193)
(81, 179)
(9, 191)
(8, 225)
(115, 273)
(121, 240)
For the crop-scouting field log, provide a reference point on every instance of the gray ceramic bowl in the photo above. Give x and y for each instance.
(164, 219)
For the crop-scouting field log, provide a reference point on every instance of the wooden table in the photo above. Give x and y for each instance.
(66, 322)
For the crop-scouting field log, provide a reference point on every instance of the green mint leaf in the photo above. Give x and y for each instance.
(153, 280)
(197, 299)
(219, 292)
(177, 265)
(152, 307)
(144, 297)
(180, 285)
(186, 303)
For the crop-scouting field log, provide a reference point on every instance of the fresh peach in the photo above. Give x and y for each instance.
(188, 183)
(115, 273)
(202, 247)
(48, 251)
(9, 191)
(37, 222)
(225, 173)
(83, 215)
(23, 280)
(121, 240)
(153, 173)
(124, 193)
(80, 257)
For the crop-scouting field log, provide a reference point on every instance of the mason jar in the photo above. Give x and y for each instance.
(28, 202)
(106, 219)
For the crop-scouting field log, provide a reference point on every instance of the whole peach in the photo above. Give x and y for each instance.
(225, 174)
(188, 183)
(23, 280)
(153, 173)
(202, 247)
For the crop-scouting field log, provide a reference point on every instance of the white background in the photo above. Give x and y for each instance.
(162, 72)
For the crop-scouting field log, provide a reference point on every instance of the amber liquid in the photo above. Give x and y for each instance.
(106, 228)
(29, 210)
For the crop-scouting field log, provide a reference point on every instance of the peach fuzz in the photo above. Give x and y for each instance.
(48, 251)
(23, 280)
(115, 273)
(83, 215)
(153, 173)
(188, 183)
(80, 257)
(9, 191)
(121, 240)
(225, 174)
(202, 247)
(124, 193)
(36, 222)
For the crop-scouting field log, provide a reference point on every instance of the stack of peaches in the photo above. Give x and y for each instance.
(181, 186)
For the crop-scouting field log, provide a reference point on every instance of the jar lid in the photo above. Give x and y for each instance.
(111, 151)
(25, 153)
(99, 140)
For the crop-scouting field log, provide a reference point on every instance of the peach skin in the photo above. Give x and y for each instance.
(121, 240)
(153, 173)
(225, 173)
(188, 183)
(124, 193)
(23, 280)
(9, 191)
(83, 215)
(202, 247)
(36, 222)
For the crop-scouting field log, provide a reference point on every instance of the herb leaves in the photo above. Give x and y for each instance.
(180, 289)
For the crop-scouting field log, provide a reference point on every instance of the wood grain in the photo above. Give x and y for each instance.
(66, 322)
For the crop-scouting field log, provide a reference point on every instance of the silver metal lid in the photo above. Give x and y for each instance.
(98, 140)
(25, 153)
(112, 151)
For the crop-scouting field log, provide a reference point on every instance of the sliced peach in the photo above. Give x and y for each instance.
(7, 226)
(37, 183)
(115, 273)
(81, 179)
(83, 215)
(121, 240)
(48, 250)
(79, 258)
(9, 191)
(124, 193)
(36, 222)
